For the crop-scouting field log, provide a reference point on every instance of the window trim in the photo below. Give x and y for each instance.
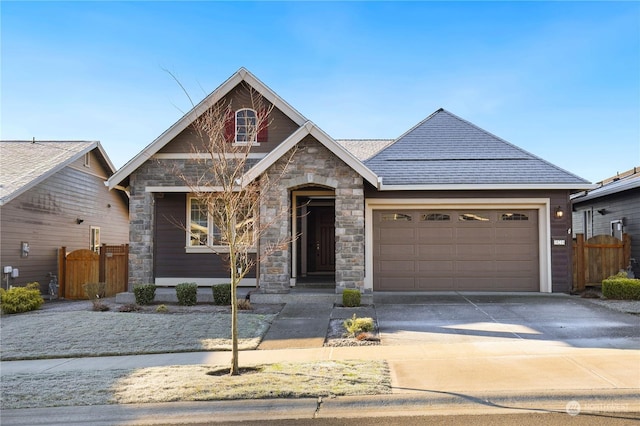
(254, 141)
(208, 247)
(94, 243)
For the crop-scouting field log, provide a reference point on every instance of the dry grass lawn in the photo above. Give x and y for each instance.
(195, 383)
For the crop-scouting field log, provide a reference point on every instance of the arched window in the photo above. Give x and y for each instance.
(246, 126)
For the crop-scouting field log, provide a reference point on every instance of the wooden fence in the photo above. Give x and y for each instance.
(80, 267)
(598, 258)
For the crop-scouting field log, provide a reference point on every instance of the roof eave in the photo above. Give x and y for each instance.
(54, 170)
(484, 187)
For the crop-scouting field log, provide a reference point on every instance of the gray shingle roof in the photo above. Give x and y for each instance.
(26, 163)
(615, 187)
(363, 149)
(444, 149)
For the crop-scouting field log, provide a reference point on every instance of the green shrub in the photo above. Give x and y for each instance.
(144, 293)
(355, 325)
(222, 294)
(187, 294)
(351, 297)
(21, 299)
(620, 287)
(162, 309)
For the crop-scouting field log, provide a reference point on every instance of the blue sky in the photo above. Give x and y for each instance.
(559, 79)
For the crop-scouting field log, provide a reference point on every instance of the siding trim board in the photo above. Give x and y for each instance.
(205, 156)
(202, 282)
(542, 205)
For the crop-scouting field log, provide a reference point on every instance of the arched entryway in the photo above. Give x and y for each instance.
(314, 249)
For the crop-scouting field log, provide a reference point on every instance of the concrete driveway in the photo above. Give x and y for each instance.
(468, 317)
(478, 342)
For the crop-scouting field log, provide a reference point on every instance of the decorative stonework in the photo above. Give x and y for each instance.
(314, 165)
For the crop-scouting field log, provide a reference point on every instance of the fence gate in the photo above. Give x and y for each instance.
(598, 257)
(80, 267)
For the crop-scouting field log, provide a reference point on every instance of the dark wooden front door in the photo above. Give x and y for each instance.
(323, 243)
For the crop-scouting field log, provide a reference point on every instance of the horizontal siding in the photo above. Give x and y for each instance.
(622, 205)
(280, 127)
(170, 257)
(45, 217)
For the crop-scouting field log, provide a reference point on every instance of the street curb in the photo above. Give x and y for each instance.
(623, 402)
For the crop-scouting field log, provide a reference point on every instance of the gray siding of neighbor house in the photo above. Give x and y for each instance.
(45, 217)
(170, 257)
(279, 127)
(561, 260)
(618, 206)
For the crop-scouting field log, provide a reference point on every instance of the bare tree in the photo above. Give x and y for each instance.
(223, 138)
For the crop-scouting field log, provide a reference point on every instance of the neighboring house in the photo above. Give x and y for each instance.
(53, 194)
(446, 206)
(612, 208)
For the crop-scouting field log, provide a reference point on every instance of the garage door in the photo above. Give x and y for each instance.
(462, 250)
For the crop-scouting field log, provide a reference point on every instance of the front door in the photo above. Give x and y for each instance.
(324, 240)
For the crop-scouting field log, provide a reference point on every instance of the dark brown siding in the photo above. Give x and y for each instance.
(171, 260)
(45, 217)
(561, 273)
(280, 127)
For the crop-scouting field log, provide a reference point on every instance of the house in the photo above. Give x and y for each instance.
(53, 194)
(445, 206)
(612, 208)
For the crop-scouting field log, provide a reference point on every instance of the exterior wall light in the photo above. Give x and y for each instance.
(558, 213)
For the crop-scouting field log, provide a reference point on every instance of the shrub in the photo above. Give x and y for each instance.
(144, 293)
(162, 309)
(94, 291)
(222, 294)
(129, 307)
(244, 305)
(620, 287)
(351, 297)
(21, 299)
(98, 306)
(187, 294)
(355, 325)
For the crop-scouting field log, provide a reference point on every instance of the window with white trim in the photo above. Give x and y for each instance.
(203, 231)
(246, 126)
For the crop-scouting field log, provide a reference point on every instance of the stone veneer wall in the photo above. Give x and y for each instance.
(313, 165)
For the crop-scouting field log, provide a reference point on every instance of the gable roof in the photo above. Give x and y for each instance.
(242, 75)
(309, 128)
(629, 180)
(446, 152)
(24, 164)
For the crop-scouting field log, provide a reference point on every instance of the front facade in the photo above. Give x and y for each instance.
(612, 208)
(53, 194)
(446, 206)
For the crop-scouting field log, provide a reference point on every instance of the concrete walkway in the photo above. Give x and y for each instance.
(478, 370)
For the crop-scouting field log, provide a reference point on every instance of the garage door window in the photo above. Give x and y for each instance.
(513, 216)
(474, 216)
(395, 217)
(435, 217)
